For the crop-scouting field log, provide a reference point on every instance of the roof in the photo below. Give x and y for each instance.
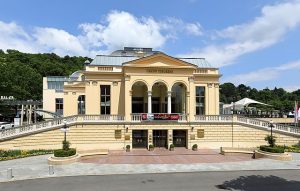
(109, 60)
(112, 60)
(75, 75)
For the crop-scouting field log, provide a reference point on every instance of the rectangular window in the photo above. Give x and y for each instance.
(200, 100)
(105, 99)
(59, 106)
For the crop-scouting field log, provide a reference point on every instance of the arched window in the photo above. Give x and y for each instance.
(81, 104)
(82, 78)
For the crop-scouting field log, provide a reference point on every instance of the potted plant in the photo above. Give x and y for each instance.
(127, 148)
(195, 147)
(151, 147)
(172, 146)
(66, 151)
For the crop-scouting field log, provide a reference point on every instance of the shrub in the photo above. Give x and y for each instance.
(270, 149)
(64, 153)
(14, 154)
(195, 146)
(127, 147)
(172, 146)
(151, 146)
(271, 140)
(66, 145)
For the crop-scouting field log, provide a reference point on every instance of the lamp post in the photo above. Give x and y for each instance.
(271, 126)
(65, 129)
(233, 110)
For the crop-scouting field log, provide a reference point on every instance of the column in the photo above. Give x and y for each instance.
(127, 100)
(149, 102)
(30, 114)
(22, 115)
(191, 99)
(169, 102)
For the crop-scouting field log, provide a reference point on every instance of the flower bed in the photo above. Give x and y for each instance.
(15, 154)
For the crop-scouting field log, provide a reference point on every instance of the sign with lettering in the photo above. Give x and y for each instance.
(200, 133)
(118, 134)
(7, 97)
(159, 116)
(162, 71)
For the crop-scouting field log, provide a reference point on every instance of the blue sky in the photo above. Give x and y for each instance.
(255, 42)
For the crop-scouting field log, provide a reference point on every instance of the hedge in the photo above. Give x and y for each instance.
(274, 149)
(15, 154)
(64, 153)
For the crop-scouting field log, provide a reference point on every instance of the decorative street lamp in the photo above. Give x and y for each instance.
(271, 126)
(233, 112)
(65, 129)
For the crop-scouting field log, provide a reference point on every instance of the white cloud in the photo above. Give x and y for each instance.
(292, 88)
(58, 41)
(264, 31)
(123, 29)
(173, 26)
(117, 30)
(264, 74)
(194, 29)
(13, 36)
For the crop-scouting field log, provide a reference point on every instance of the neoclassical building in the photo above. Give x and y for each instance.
(140, 97)
(139, 84)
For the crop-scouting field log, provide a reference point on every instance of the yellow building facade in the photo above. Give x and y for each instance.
(147, 87)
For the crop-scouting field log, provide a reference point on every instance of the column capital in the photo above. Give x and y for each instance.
(127, 78)
(149, 93)
(191, 79)
(169, 93)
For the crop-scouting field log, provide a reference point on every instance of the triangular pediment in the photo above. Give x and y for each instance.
(159, 60)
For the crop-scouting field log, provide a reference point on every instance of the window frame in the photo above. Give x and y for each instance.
(200, 101)
(105, 106)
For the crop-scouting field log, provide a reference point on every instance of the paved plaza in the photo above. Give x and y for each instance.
(204, 160)
(164, 156)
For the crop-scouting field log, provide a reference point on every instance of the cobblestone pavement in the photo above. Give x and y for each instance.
(164, 156)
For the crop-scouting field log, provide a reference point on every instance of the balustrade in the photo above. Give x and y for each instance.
(57, 123)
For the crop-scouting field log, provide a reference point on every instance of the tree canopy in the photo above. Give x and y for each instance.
(279, 98)
(22, 73)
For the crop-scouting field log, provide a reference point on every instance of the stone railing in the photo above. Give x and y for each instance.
(55, 124)
(247, 121)
(14, 132)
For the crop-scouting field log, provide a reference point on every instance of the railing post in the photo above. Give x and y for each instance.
(9, 173)
(51, 170)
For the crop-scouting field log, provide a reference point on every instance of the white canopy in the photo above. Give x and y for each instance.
(239, 105)
(247, 101)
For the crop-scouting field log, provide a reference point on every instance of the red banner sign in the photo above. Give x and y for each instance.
(159, 116)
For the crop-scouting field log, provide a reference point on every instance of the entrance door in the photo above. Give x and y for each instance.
(139, 138)
(179, 138)
(160, 138)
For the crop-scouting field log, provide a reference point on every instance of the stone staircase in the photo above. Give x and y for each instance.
(21, 131)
